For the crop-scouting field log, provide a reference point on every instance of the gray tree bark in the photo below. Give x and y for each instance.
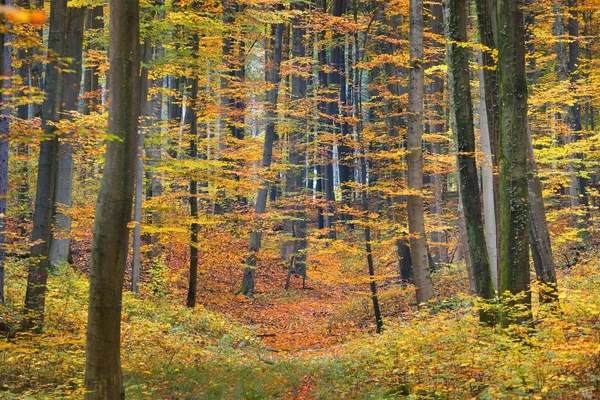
(435, 92)
(193, 199)
(541, 247)
(487, 27)
(514, 197)
(273, 77)
(103, 379)
(37, 275)
(61, 242)
(91, 86)
(5, 65)
(416, 218)
(462, 108)
(488, 187)
(139, 169)
(294, 184)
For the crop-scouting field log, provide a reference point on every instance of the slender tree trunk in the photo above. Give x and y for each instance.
(154, 147)
(37, 276)
(103, 378)
(435, 94)
(193, 199)
(327, 168)
(514, 197)
(5, 65)
(488, 179)
(272, 76)
(337, 78)
(61, 242)
(139, 170)
(486, 23)
(541, 248)
(232, 101)
(294, 176)
(578, 183)
(91, 86)
(369, 251)
(416, 218)
(462, 107)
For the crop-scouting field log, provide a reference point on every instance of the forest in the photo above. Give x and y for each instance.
(299, 199)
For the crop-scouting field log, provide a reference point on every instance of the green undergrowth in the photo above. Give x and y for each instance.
(170, 352)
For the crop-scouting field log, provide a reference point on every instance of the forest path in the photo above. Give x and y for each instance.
(287, 321)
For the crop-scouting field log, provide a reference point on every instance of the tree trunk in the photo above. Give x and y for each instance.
(541, 247)
(5, 65)
(435, 93)
(61, 242)
(416, 218)
(486, 23)
(139, 170)
(294, 176)
(91, 86)
(103, 379)
(327, 168)
(462, 108)
(337, 78)
(514, 203)
(193, 199)
(37, 276)
(232, 102)
(488, 179)
(272, 76)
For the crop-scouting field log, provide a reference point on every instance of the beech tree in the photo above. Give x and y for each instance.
(416, 219)
(462, 108)
(37, 276)
(5, 66)
(514, 197)
(103, 378)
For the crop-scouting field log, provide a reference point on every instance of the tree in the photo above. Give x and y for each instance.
(103, 379)
(416, 218)
(37, 275)
(462, 108)
(294, 183)
(5, 66)
(514, 197)
(273, 77)
(61, 242)
(192, 119)
(486, 24)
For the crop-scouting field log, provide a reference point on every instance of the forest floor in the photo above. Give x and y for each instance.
(312, 343)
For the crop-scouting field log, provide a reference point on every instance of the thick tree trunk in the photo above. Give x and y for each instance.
(59, 247)
(37, 276)
(416, 218)
(462, 108)
(103, 379)
(514, 203)
(272, 76)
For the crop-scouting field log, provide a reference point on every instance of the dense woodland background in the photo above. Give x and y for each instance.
(271, 183)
